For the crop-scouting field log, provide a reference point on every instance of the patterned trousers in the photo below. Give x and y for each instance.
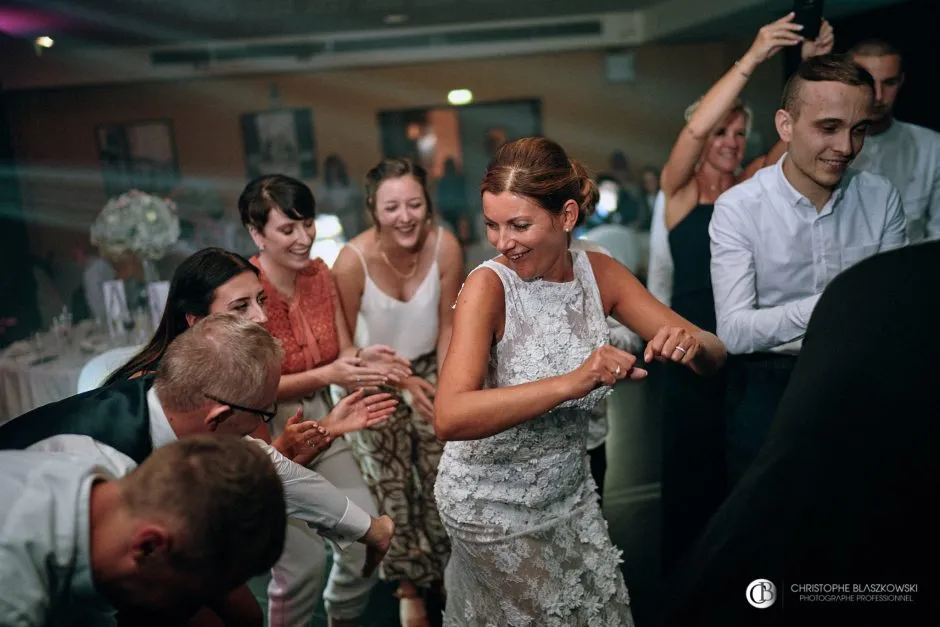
(398, 459)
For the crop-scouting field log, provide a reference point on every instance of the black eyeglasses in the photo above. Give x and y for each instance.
(267, 415)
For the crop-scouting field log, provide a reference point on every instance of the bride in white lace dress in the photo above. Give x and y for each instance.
(528, 359)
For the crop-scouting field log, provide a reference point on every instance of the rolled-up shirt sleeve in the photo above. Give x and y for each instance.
(741, 325)
(317, 502)
(895, 233)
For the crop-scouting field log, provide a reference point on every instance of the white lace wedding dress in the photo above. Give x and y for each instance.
(530, 547)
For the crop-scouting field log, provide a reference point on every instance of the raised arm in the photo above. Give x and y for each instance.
(680, 168)
(823, 44)
(626, 299)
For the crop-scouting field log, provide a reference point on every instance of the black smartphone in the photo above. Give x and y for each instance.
(809, 13)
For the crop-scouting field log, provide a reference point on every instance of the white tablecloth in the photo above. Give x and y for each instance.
(25, 385)
(27, 382)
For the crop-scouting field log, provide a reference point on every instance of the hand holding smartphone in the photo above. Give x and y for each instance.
(809, 14)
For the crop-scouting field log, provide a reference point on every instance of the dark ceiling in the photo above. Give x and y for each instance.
(149, 22)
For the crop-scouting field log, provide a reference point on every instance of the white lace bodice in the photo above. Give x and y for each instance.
(549, 330)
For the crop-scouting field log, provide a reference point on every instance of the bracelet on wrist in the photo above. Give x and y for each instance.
(737, 64)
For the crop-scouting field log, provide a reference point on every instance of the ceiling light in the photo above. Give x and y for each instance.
(459, 97)
(395, 18)
(44, 42)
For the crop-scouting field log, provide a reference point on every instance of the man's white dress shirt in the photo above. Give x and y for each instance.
(45, 540)
(909, 156)
(773, 253)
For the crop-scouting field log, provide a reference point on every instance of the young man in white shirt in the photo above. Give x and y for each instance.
(906, 154)
(780, 237)
(84, 537)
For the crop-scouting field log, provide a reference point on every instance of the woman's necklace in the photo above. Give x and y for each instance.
(402, 275)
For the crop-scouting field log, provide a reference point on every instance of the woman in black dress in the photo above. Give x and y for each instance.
(705, 161)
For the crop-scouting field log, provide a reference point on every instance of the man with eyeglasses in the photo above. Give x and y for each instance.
(220, 376)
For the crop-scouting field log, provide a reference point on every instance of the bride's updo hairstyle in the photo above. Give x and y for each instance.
(539, 169)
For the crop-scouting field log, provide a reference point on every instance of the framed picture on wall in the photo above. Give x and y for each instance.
(280, 141)
(138, 155)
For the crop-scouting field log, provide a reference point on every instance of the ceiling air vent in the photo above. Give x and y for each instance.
(204, 55)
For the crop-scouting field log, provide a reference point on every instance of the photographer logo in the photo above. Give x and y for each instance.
(761, 593)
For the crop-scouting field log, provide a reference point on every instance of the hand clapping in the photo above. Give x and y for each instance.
(302, 440)
(357, 411)
(384, 358)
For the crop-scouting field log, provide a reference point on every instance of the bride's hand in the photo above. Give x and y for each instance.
(673, 344)
(605, 366)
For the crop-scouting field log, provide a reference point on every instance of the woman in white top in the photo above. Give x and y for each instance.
(398, 282)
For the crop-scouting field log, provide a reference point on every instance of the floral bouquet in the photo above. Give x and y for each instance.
(137, 223)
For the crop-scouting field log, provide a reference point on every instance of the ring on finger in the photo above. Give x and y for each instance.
(617, 371)
(682, 350)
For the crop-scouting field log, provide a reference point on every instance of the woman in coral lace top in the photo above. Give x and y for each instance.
(303, 313)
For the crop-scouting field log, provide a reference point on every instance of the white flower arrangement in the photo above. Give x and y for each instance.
(138, 223)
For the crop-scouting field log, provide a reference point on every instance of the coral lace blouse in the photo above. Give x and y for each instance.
(305, 324)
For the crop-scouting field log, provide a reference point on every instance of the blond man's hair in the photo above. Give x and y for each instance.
(222, 355)
(223, 497)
